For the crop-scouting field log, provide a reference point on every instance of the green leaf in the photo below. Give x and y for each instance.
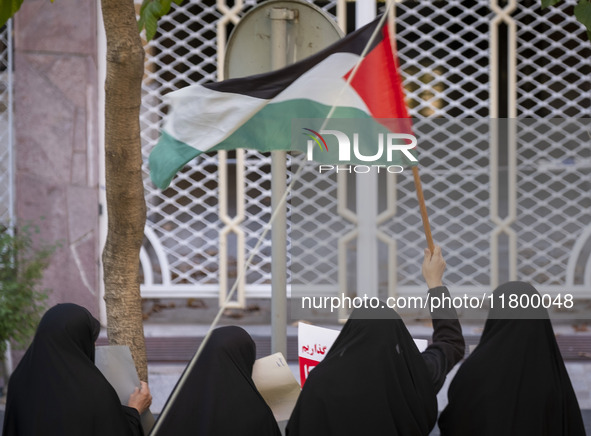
(150, 12)
(548, 3)
(140, 23)
(7, 9)
(165, 6)
(151, 19)
(583, 14)
(21, 273)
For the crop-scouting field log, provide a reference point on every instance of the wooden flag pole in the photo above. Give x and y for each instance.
(415, 170)
(423, 207)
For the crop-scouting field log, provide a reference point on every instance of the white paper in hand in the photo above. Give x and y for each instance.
(277, 385)
(116, 364)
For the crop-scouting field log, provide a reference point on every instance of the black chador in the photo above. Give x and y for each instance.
(374, 381)
(56, 390)
(218, 396)
(515, 382)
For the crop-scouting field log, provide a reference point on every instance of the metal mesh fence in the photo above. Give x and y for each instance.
(500, 212)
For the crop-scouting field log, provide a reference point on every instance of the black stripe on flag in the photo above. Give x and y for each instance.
(268, 85)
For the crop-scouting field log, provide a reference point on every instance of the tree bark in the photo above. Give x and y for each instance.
(126, 206)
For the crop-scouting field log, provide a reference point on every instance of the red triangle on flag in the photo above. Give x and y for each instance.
(378, 83)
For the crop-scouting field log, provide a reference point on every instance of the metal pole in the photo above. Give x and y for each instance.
(279, 18)
(367, 198)
(101, 76)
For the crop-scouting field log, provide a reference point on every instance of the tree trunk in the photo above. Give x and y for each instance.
(126, 206)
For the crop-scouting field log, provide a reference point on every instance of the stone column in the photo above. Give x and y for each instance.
(56, 140)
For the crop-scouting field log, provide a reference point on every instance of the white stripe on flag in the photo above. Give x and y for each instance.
(325, 82)
(202, 118)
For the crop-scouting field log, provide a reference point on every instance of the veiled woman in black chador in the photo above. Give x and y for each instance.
(218, 396)
(57, 390)
(515, 382)
(374, 381)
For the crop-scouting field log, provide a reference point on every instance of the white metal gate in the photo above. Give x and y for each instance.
(501, 209)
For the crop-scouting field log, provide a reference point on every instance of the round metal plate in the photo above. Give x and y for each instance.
(249, 47)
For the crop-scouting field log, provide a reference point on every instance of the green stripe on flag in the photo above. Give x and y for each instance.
(270, 128)
(167, 158)
(280, 126)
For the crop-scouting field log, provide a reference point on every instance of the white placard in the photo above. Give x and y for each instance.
(277, 385)
(116, 364)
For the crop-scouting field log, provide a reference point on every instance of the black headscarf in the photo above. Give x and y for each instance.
(56, 389)
(373, 381)
(219, 396)
(515, 382)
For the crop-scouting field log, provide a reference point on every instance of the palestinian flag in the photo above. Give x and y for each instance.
(293, 108)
